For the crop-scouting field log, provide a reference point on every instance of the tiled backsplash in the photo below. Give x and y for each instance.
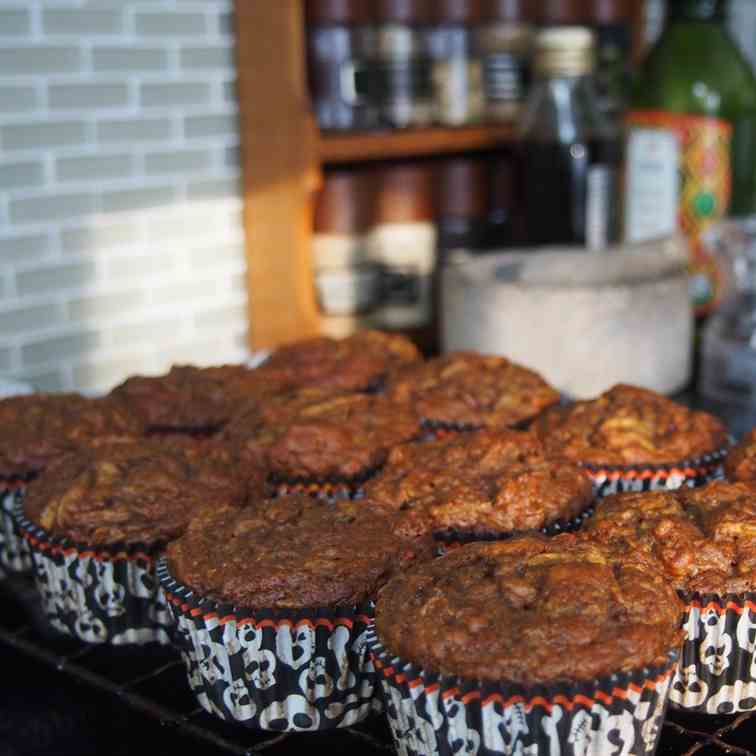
(121, 241)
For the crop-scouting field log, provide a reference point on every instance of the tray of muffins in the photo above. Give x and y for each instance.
(351, 539)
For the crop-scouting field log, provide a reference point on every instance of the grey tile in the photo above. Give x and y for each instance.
(5, 358)
(232, 156)
(50, 207)
(238, 282)
(106, 306)
(80, 21)
(23, 175)
(214, 188)
(45, 380)
(207, 57)
(219, 124)
(138, 266)
(93, 168)
(21, 319)
(127, 59)
(17, 99)
(217, 254)
(155, 331)
(102, 375)
(184, 292)
(39, 59)
(30, 136)
(230, 92)
(170, 24)
(135, 130)
(28, 248)
(87, 96)
(14, 21)
(221, 317)
(95, 238)
(177, 93)
(180, 224)
(71, 346)
(227, 23)
(137, 199)
(55, 277)
(177, 161)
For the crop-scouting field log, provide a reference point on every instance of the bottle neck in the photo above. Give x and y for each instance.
(696, 10)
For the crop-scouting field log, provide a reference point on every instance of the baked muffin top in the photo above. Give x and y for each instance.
(740, 463)
(130, 493)
(190, 398)
(356, 363)
(628, 425)
(471, 390)
(315, 434)
(484, 482)
(37, 428)
(705, 538)
(531, 610)
(292, 552)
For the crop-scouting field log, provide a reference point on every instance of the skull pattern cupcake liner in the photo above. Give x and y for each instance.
(436, 715)
(14, 552)
(276, 670)
(717, 670)
(97, 594)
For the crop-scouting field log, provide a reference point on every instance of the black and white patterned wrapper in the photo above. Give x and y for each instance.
(434, 715)
(14, 552)
(717, 671)
(102, 594)
(611, 479)
(275, 669)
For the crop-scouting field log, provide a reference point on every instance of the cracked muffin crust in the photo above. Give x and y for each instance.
(130, 493)
(628, 425)
(741, 460)
(484, 483)
(292, 552)
(531, 610)
(705, 538)
(469, 390)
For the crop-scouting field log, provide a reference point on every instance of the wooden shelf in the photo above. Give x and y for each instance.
(385, 145)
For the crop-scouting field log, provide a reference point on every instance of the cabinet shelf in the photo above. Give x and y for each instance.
(355, 147)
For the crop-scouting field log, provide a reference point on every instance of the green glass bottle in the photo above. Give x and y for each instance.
(691, 148)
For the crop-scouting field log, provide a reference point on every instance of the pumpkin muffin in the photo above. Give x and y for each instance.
(741, 461)
(356, 363)
(294, 580)
(491, 637)
(466, 391)
(631, 438)
(485, 484)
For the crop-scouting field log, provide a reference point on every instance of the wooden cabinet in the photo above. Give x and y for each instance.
(282, 155)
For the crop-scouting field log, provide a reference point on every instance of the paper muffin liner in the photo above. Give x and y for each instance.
(436, 715)
(611, 479)
(336, 487)
(717, 671)
(15, 557)
(282, 670)
(98, 594)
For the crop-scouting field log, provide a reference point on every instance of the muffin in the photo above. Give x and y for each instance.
(316, 442)
(357, 363)
(705, 540)
(465, 391)
(97, 519)
(191, 400)
(35, 430)
(741, 461)
(633, 439)
(272, 602)
(481, 485)
(528, 645)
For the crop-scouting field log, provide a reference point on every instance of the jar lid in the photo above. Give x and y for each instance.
(563, 12)
(611, 11)
(463, 188)
(564, 51)
(405, 193)
(337, 12)
(513, 11)
(344, 203)
(402, 11)
(456, 11)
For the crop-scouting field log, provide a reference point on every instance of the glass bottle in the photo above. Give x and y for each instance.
(567, 151)
(691, 141)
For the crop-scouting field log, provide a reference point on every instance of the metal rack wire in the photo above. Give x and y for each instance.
(152, 683)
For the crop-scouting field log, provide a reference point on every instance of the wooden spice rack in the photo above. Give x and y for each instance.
(282, 156)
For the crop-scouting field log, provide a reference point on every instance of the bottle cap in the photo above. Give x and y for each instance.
(463, 12)
(562, 12)
(337, 12)
(564, 51)
(512, 11)
(409, 12)
(344, 203)
(405, 193)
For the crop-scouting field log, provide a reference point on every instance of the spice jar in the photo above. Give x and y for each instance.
(457, 77)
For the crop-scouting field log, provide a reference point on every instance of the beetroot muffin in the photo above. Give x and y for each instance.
(466, 391)
(741, 461)
(633, 439)
(316, 441)
(97, 519)
(528, 645)
(293, 580)
(705, 540)
(357, 363)
(485, 484)
(34, 431)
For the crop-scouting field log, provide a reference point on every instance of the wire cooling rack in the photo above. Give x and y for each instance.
(151, 681)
